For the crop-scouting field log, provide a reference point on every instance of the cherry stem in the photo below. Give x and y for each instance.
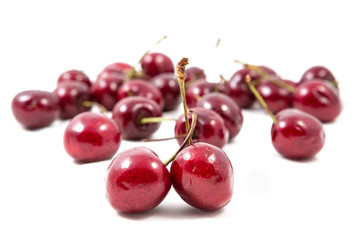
(155, 120)
(221, 83)
(163, 139)
(259, 97)
(218, 42)
(188, 137)
(98, 105)
(180, 71)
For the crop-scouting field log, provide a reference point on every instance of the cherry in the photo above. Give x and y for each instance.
(226, 108)
(318, 98)
(104, 89)
(117, 68)
(268, 70)
(155, 63)
(74, 75)
(138, 87)
(197, 90)
(71, 95)
(193, 74)
(203, 176)
(169, 88)
(91, 137)
(297, 135)
(137, 181)
(35, 109)
(318, 72)
(128, 114)
(210, 128)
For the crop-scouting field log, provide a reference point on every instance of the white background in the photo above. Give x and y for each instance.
(45, 195)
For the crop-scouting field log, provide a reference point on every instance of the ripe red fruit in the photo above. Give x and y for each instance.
(169, 87)
(74, 75)
(155, 63)
(35, 109)
(203, 176)
(91, 137)
(137, 181)
(194, 73)
(117, 68)
(317, 72)
(197, 90)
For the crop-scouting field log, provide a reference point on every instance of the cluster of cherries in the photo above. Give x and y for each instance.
(201, 173)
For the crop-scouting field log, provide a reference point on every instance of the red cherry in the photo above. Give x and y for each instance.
(226, 108)
(210, 128)
(138, 87)
(91, 137)
(137, 181)
(71, 95)
(169, 87)
(318, 98)
(74, 75)
(317, 72)
(35, 109)
(197, 90)
(104, 89)
(194, 73)
(297, 135)
(117, 68)
(128, 113)
(203, 176)
(155, 63)
(268, 70)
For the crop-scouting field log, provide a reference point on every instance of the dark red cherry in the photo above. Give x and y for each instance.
(91, 137)
(194, 73)
(155, 63)
(138, 87)
(197, 90)
(117, 68)
(277, 98)
(226, 108)
(318, 98)
(237, 89)
(128, 113)
(104, 89)
(297, 135)
(71, 95)
(74, 75)
(169, 87)
(210, 128)
(268, 70)
(35, 109)
(317, 72)
(136, 181)
(203, 176)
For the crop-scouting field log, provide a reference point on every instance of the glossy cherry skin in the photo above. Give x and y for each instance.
(155, 63)
(117, 68)
(318, 98)
(91, 137)
(210, 128)
(203, 176)
(104, 89)
(168, 85)
(138, 87)
(35, 109)
(137, 181)
(237, 89)
(226, 108)
(197, 90)
(194, 73)
(297, 135)
(71, 95)
(277, 98)
(74, 75)
(317, 72)
(128, 113)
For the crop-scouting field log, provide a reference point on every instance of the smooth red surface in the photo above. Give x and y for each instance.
(197, 90)
(155, 63)
(318, 98)
(210, 128)
(138, 87)
(35, 109)
(226, 108)
(137, 181)
(168, 85)
(297, 135)
(71, 94)
(91, 137)
(203, 176)
(74, 75)
(104, 89)
(317, 72)
(117, 68)
(128, 113)
(194, 73)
